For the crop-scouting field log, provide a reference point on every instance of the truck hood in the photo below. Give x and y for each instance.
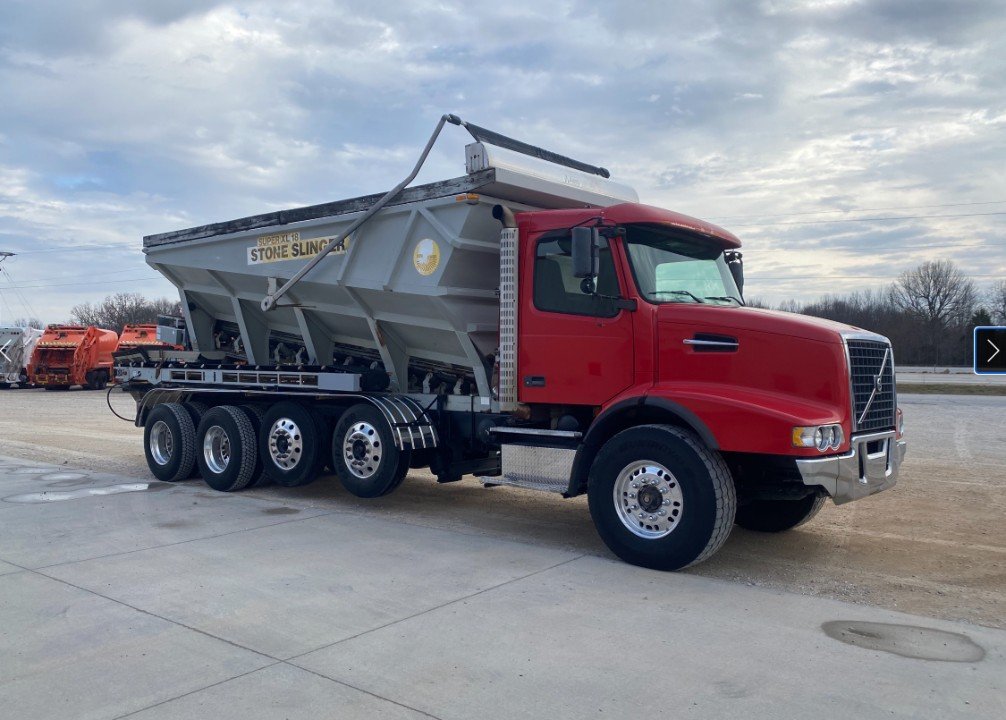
(757, 320)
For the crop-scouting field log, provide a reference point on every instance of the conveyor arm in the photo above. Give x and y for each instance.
(481, 135)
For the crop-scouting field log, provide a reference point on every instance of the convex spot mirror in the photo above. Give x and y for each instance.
(735, 261)
(586, 245)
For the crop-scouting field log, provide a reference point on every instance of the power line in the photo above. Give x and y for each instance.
(10, 310)
(801, 276)
(20, 296)
(88, 275)
(873, 219)
(945, 246)
(78, 248)
(102, 282)
(856, 210)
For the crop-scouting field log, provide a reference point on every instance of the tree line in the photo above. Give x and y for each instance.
(929, 313)
(123, 309)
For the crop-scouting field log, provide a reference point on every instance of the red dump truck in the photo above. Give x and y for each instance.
(68, 355)
(529, 323)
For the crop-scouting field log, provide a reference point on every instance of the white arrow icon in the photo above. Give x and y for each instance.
(993, 347)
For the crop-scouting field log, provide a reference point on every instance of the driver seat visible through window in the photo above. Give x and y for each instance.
(555, 288)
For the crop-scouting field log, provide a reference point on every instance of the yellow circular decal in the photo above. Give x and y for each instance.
(426, 256)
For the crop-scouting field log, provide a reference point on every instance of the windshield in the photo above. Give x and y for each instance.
(671, 266)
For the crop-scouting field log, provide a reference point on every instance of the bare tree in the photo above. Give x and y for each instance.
(943, 299)
(28, 322)
(123, 309)
(936, 291)
(997, 301)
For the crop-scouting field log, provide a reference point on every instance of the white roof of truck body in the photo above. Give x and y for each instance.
(494, 172)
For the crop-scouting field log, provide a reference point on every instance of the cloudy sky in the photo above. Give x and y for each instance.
(843, 141)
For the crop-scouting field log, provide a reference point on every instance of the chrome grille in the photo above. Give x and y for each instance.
(866, 362)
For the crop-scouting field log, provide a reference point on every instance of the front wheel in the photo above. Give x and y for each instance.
(660, 498)
(778, 515)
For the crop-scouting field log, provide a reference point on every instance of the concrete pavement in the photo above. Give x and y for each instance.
(176, 602)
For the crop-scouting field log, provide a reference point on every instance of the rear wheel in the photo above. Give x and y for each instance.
(97, 380)
(169, 442)
(255, 414)
(778, 515)
(364, 455)
(227, 449)
(196, 410)
(289, 444)
(660, 498)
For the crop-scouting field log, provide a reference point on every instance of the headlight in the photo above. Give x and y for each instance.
(822, 437)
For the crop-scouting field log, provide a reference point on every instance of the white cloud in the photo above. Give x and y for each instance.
(125, 120)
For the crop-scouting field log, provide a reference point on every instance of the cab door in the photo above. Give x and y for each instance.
(575, 348)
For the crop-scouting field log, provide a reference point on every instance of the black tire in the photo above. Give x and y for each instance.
(324, 460)
(96, 380)
(684, 474)
(175, 442)
(255, 414)
(196, 410)
(289, 444)
(364, 455)
(54, 388)
(4, 386)
(775, 516)
(227, 449)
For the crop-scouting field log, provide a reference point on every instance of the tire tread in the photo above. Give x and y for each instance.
(249, 442)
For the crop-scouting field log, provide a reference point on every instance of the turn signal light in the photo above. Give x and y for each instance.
(822, 437)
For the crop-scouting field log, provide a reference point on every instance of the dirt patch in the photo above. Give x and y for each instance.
(911, 641)
(280, 511)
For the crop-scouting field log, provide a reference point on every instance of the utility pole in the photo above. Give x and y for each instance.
(4, 254)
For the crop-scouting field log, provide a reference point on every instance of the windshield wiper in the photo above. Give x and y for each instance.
(723, 297)
(693, 296)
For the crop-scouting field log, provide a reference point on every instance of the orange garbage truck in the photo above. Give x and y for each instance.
(68, 355)
(142, 336)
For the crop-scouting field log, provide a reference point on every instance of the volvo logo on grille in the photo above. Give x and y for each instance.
(878, 386)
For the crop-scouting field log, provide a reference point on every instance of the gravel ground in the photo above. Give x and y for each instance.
(934, 545)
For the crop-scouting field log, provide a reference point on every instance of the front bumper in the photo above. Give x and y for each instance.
(871, 465)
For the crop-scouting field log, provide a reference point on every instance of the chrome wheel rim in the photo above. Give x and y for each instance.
(648, 499)
(161, 443)
(362, 450)
(286, 444)
(216, 449)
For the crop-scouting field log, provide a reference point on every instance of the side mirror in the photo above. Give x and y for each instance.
(585, 247)
(735, 261)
